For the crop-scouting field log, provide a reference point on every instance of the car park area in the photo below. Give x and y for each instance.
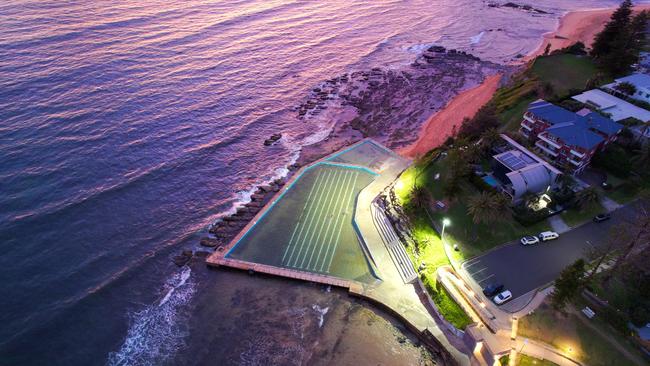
(523, 268)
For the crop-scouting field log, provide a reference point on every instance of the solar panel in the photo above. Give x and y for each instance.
(513, 162)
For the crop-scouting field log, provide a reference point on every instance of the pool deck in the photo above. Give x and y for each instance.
(407, 301)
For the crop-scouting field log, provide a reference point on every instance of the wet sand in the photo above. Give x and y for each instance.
(446, 122)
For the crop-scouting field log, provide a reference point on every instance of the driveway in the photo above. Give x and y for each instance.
(524, 268)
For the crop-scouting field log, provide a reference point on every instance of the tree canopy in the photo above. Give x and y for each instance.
(568, 285)
(618, 45)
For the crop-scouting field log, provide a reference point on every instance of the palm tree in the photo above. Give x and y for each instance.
(587, 197)
(489, 138)
(486, 207)
(419, 196)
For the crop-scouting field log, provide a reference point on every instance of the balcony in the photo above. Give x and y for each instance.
(546, 149)
(577, 163)
(524, 133)
(578, 154)
(548, 141)
(526, 126)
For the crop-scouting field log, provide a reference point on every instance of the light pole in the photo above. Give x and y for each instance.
(445, 222)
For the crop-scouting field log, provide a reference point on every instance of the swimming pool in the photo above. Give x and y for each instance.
(491, 181)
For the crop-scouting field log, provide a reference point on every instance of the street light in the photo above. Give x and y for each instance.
(445, 222)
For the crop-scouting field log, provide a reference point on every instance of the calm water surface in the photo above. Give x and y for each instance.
(127, 127)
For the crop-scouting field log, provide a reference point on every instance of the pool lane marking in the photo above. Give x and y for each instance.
(332, 209)
(327, 240)
(319, 220)
(327, 208)
(340, 208)
(310, 211)
(310, 221)
(336, 242)
(313, 208)
(304, 207)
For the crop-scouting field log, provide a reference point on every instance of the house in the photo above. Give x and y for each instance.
(567, 139)
(618, 109)
(521, 172)
(640, 81)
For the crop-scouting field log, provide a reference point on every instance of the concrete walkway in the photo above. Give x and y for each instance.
(402, 298)
(558, 225)
(609, 204)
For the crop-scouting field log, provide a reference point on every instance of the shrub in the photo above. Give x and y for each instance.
(480, 184)
(528, 217)
(614, 160)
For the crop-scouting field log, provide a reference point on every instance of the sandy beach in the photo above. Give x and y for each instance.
(577, 26)
(446, 122)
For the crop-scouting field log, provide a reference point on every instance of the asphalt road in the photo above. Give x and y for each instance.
(524, 268)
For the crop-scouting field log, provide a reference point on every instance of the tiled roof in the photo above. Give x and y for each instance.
(571, 128)
(601, 123)
(574, 135)
(550, 112)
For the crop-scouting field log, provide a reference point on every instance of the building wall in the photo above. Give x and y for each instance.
(538, 126)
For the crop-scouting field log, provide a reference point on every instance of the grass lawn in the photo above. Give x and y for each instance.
(569, 334)
(576, 216)
(625, 193)
(432, 253)
(472, 239)
(565, 72)
(511, 117)
(525, 360)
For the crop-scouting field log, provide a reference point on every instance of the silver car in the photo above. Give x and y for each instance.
(529, 240)
(502, 297)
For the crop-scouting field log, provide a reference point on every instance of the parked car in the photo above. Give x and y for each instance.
(529, 240)
(548, 235)
(492, 289)
(602, 217)
(503, 297)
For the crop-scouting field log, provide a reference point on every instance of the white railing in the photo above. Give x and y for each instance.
(546, 149)
(550, 142)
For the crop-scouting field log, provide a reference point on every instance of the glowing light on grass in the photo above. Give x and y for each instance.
(399, 185)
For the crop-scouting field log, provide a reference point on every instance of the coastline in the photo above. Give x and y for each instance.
(444, 123)
(581, 25)
(573, 26)
(577, 26)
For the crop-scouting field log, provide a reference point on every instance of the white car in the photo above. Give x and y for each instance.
(502, 297)
(529, 240)
(548, 235)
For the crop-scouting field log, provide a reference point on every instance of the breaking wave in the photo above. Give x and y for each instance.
(156, 332)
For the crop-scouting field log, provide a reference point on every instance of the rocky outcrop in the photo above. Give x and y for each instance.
(183, 258)
(273, 139)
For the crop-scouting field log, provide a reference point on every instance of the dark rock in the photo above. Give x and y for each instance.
(271, 140)
(209, 242)
(201, 254)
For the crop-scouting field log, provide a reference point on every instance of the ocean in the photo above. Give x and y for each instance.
(128, 127)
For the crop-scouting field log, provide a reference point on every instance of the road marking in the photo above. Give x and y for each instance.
(313, 220)
(471, 262)
(323, 184)
(339, 208)
(304, 207)
(477, 272)
(328, 209)
(336, 242)
(490, 276)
